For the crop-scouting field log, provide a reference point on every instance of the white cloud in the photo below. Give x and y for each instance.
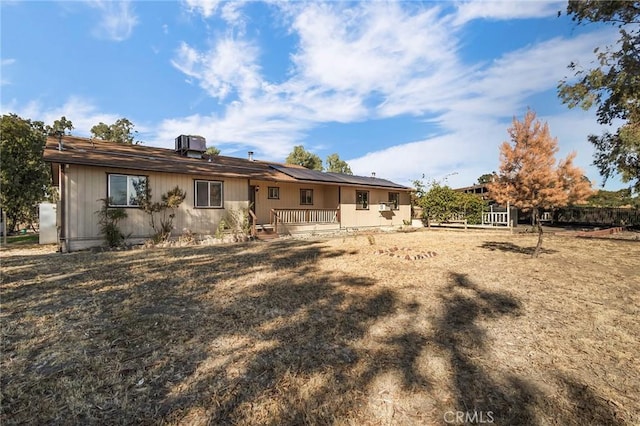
(229, 11)
(232, 13)
(381, 60)
(204, 7)
(371, 60)
(503, 10)
(117, 19)
(476, 119)
(230, 66)
(344, 57)
(371, 47)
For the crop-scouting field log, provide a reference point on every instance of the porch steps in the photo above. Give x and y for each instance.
(265, 233)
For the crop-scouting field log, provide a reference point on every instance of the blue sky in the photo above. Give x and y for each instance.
(403, 89)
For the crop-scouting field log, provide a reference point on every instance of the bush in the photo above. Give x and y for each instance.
(169, 201)
(441, 203)
(108, 219)
(235, 222)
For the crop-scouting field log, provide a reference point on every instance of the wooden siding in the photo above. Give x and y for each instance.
(354, 218)
(87, 185)
(324, 197)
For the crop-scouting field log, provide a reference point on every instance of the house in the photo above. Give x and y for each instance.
(481, 189)
(290, 198)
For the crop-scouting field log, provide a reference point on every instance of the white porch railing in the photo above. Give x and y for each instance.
(495, 218)
(499, 218)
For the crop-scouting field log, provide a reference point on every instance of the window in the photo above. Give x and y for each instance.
(306, 196)
(274, 193)
(394, 200)
(362, 200)
(208, 194)
(123, 190)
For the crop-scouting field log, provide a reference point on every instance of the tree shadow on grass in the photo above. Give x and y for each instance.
(513, 248)
(458, 332)
(221, 335)
(588, 407)
(504, 397)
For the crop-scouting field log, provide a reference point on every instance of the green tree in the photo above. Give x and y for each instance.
(212, 151)
(60, 127)
(336, 165)
(485, 178)
(441, 203)
(304, 158)
(529, 178)
(120, 131)
(613, 86)
(620, 198)
(25, 179)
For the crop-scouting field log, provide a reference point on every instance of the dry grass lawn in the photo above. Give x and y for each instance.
(324, 331)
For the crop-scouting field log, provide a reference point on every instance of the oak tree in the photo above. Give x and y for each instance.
(336, 165)
(304, 158)
(120, 131)
(60, 127)
(25, 179)
(485, 178)
(612, 85)
(529, 177)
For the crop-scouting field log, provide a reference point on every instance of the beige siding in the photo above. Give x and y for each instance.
(87, 185)
(324, 197)
(353, 218)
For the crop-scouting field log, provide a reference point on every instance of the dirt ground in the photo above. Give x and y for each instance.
(326, 331)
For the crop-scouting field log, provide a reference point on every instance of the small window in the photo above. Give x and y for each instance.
(394, 200)
(362, 200)
(123, 190)
(208, 194)
(274, 193)
(306, 196)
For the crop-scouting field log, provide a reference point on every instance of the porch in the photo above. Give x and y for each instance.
(298, 220)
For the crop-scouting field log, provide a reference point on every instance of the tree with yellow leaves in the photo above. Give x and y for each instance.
(529, 178)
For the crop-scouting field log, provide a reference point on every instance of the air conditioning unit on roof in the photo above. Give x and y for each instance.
(191, 146)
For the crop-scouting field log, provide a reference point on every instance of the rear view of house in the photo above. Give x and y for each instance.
(287, 197)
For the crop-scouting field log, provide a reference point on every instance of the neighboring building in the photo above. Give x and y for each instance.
(298, 199)
(480, 189)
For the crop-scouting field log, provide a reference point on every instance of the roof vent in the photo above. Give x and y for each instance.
(191, 146)
(250, 155)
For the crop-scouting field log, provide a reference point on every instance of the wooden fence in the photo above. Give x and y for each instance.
(305, 215)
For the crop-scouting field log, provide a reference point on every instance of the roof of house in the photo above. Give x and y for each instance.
(301, 173)
(99, 153)
(482, 186)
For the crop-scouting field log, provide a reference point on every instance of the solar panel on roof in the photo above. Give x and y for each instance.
(315, 175)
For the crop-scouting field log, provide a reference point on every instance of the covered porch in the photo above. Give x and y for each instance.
(286, 207)
(304, 220)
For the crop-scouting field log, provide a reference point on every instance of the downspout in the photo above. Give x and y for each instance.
(64, 247)
(339, 207)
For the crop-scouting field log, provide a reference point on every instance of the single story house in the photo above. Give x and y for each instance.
(289, 197)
